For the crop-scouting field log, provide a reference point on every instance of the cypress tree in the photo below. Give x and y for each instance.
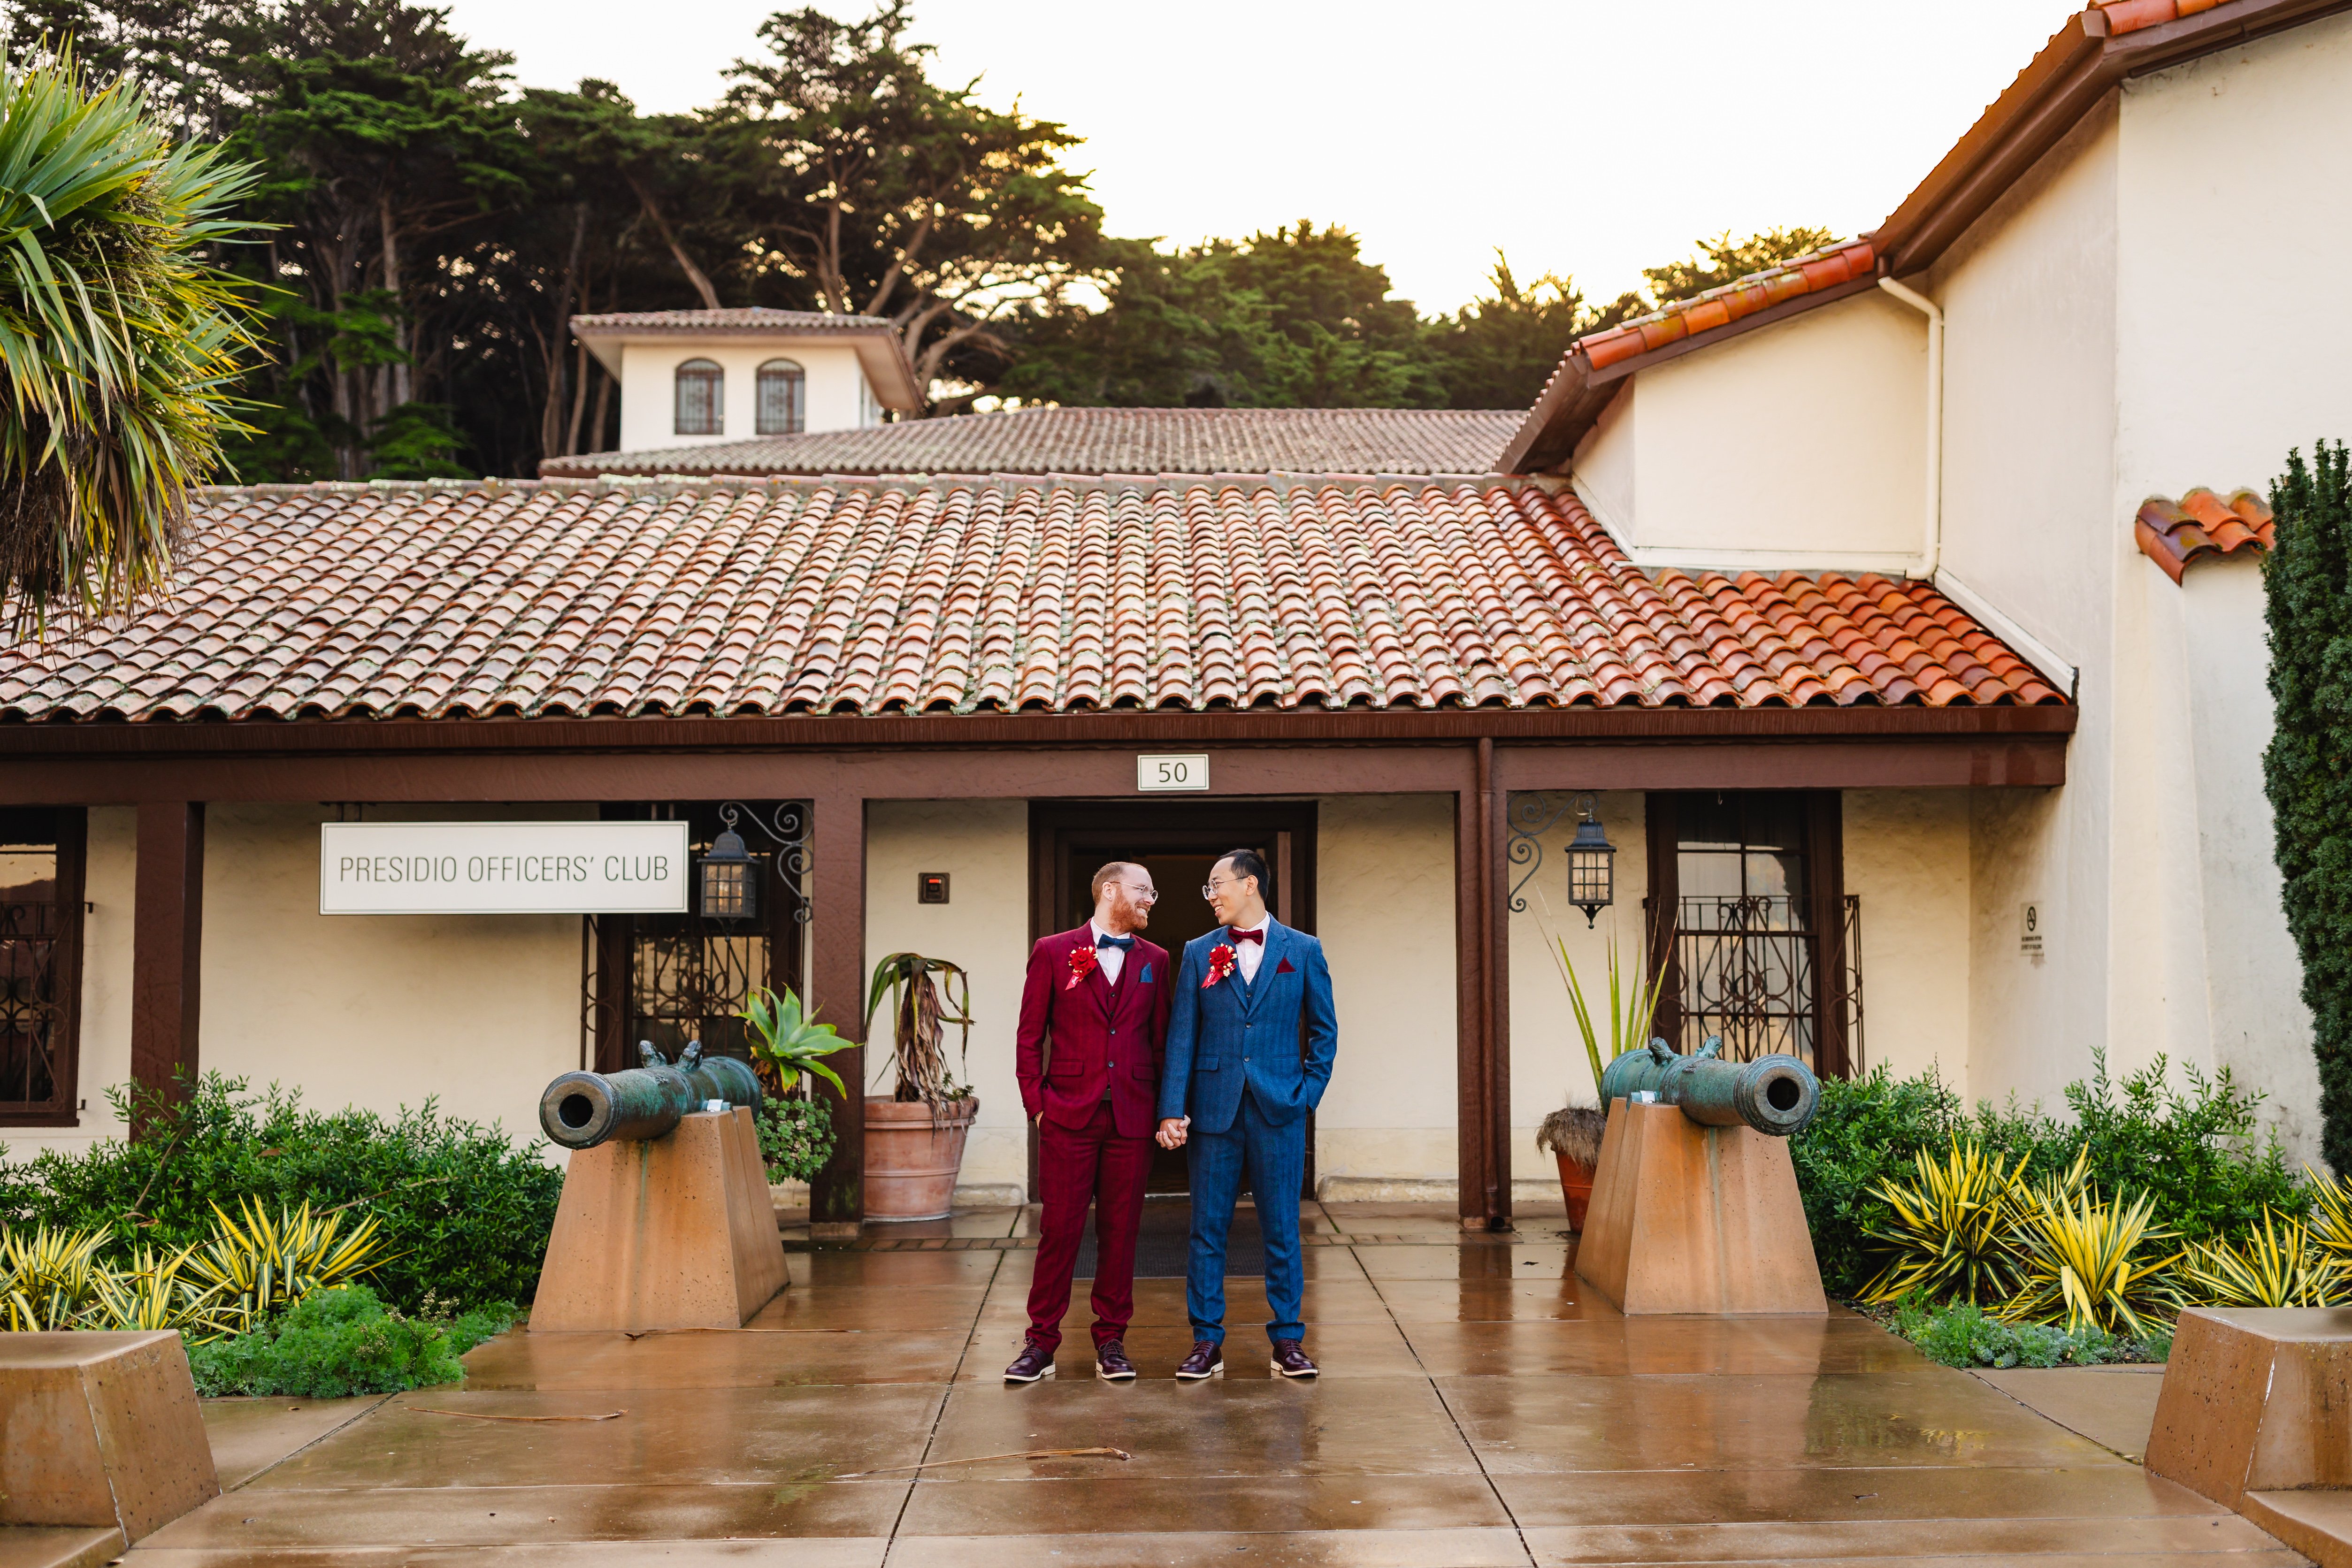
(2307, 769)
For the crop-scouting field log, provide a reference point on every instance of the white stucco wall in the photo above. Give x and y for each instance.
(984, 846)
(1906, 857)
(1800, 444)
(2029, 527)
(1549, 1069)
(1384, 910)
(478, 1011)
(837, 397)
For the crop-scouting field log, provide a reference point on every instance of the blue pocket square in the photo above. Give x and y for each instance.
(1147, 974)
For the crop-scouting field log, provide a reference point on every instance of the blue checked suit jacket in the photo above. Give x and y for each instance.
(1231, 1036)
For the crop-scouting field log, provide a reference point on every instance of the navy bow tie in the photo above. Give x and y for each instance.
(1121, 943)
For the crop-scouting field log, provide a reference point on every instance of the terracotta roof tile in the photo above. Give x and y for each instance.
(2131, 15)
(1135, 440)
(755, 318)
(1721, 307)
(2174, 533)
(549, 600)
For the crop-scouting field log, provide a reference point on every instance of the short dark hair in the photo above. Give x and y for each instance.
(1247, 863)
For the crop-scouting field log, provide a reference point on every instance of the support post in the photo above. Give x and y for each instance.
(1493, 947)
(167, 945)
(837, 984)
(1471, 1122)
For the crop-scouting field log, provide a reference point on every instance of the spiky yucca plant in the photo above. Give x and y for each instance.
(2088, 1262)
(119, 339)
(259, 1263)
(2276, 1266)
(1951, 1235)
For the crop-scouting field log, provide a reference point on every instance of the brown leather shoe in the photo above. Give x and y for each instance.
(1207, 1360)
(1034, 1363)
(1111, 1363)
(1290, 1359)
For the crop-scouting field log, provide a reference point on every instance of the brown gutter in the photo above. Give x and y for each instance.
(849, 732)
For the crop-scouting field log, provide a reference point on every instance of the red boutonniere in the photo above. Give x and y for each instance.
(1222, 962)
(1083, 963)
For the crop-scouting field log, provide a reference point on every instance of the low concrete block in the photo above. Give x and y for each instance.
(1686, 1218)
(100, 1430)
(2316, 1523)
(2256, 1399)
(675, 1232)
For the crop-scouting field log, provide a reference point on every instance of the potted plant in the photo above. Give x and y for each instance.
(1572, 1133)
(915, 1134)
(788, 1046)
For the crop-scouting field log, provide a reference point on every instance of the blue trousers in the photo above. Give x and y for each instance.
(1274, 1158)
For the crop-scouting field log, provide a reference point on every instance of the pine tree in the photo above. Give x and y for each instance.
(2307, 770)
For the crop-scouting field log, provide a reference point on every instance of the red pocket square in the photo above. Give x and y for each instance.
(1284, 968)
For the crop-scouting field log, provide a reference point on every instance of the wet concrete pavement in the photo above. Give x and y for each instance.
(1478, 1406)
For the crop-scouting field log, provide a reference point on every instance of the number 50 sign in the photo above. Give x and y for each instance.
(1160, 773)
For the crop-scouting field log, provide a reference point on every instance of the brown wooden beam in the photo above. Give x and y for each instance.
(1756, 762)
(1494, 812)
(167, 946)
(837, 986)
(1470, 1119)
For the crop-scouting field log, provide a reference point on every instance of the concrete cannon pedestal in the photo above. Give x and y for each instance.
(1686, 1218)
(100, 1431)
(2256, 1414)
(675, 1232)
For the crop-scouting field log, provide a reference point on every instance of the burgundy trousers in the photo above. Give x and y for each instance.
(1075, 1167)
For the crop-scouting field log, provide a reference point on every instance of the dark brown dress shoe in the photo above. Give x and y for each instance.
(1207, 1360)
(1290, 1359)
(1111, 1363)
(1034, 1363)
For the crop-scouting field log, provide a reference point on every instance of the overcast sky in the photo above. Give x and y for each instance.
(1589, 137)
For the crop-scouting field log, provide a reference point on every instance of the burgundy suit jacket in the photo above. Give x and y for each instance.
(1097, 1033)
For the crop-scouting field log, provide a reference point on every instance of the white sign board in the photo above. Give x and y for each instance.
(502, 868)
(1160, 773)
(2029, 930)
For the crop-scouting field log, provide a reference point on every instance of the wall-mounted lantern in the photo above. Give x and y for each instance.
(1591, 862)
(728, 889)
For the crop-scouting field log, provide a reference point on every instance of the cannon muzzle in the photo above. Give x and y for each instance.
(1777, 1095)
(581, 1110)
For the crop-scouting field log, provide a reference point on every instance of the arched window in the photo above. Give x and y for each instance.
(701, 398)
(783, 406)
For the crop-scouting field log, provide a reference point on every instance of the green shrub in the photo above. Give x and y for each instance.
(1963, 1335)
(467, 1209)
(795, 1138)
(2196, 1153)
(335, 1343)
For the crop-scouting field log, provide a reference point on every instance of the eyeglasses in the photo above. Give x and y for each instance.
(1141, 894)
(1209, 890)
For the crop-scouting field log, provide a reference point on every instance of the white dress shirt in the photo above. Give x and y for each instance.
(1110, 960)
(1250, 955)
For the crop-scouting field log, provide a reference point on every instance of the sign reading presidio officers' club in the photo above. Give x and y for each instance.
(502, 868)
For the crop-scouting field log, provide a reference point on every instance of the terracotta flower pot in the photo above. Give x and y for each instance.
(911, 1163)
(1575, 1186)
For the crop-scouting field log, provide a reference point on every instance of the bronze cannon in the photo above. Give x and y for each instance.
(581, 1110)
(1774, 1094)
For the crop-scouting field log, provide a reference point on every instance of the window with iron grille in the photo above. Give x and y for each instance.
(781, 396)
(701, 398)
(1749, 915)
(41, 854)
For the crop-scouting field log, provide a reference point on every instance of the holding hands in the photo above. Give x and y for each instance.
(1171, 1132)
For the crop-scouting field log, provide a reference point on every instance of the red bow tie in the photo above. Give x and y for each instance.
(1257, 937)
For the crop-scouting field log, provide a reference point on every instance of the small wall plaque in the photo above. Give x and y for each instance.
(1156, 774)
(2029, 930)
(931, 887)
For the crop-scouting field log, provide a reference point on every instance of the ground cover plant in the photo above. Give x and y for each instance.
(463, 1210)
(335, 1343)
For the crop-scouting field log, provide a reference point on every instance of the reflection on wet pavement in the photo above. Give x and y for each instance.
(1480, 1407)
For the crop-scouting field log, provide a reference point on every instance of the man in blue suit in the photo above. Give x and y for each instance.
(1236, 1093)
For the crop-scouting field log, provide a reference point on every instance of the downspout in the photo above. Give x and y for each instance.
(1932, 546)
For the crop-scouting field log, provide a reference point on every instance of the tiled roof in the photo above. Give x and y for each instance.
(748, 318)
(545, 599)
(2131, 15)
(1105, 441)
(2174, 533)
(1721, 307)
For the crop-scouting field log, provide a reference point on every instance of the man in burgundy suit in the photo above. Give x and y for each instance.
(1100, 996)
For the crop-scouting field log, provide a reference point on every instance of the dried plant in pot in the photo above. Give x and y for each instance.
(915, 1134)
(1573, 1134)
